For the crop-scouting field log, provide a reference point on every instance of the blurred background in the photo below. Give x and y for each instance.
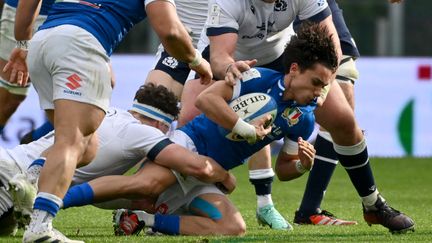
(393, 94)
(379, 28)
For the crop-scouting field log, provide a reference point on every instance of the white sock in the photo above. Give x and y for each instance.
(146, 217)
(33, 172)
(264, 200)
(370, 199)
(40, 221)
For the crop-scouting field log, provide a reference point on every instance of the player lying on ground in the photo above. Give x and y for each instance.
(124, 138)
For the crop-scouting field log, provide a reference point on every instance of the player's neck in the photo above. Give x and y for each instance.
(287, 95)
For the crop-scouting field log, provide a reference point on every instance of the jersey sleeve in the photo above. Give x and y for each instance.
(313, 10)
(290, 146)
(254, 80)
(146, 2)
(223, 17)
(143, 141)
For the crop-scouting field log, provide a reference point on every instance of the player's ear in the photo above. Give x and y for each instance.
(294, 67)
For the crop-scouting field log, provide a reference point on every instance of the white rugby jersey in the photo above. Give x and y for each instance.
(263, 28)
(123, 142)
(193, 15)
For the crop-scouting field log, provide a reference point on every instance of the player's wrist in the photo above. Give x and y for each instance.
(244, 129)
(197, 59)
(228, 68)
(22, 44)
(300, 167)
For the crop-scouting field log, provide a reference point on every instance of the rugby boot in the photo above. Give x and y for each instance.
(322, 218)
(268, 215)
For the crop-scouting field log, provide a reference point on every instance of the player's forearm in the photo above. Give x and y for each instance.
(222, 50)
(286, 167)
(212, 172)
(216, 109)
(171, 32)
(26, 13)
(220, 63)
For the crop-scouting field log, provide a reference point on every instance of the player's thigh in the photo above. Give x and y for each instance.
(191, 91)
(337, 117)
(159, 77)
(152, 179)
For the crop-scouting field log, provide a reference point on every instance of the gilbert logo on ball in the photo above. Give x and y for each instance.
(251, 107)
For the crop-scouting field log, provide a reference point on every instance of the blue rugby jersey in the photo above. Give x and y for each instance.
(107, 20)
(292, 121)
(46, 5)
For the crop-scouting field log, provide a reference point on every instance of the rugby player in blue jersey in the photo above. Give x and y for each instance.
(68, 60)
(326, 158)
(234, 36)
(310, 61)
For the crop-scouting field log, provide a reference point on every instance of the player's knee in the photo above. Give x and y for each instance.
(146, 187)
(236, 226)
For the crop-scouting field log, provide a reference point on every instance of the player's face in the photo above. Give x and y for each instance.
(305, 86)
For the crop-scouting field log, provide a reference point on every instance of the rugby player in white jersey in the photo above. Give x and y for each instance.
(125, 138)
(257, 29)
(84, 33)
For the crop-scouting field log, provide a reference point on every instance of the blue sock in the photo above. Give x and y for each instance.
(47, 202)
(42, 130)
(167, 224)
(319, 176)
(78, 195)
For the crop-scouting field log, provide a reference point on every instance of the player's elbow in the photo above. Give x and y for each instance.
(200, 100)
(202, 172)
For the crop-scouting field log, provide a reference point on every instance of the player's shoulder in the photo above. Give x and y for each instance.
(231, 6)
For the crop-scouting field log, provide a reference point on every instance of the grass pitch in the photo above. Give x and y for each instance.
(406, 183)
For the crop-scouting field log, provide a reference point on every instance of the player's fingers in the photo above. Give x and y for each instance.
(26, 77)
(12, 77)
(6, 67)
(230, 79)
(20, 77)
(251, 63)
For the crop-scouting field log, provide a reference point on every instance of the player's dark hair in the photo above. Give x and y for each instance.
(310, 46)
(7, 223)
(159, 97)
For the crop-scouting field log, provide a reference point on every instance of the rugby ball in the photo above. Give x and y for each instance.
(251, 107)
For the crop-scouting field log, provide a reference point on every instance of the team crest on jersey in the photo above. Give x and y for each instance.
(320, 2)
(170, 62)
(280, 5)
(292, 115)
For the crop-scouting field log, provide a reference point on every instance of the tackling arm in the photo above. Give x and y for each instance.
(185, 162)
